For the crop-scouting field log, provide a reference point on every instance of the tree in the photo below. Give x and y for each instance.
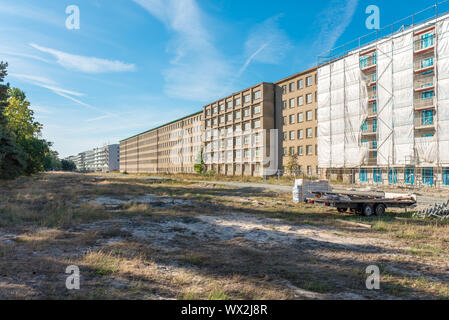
(292, 164)
(199, 165)
(67, 165)
(26, 131)
(12, 158)
(52, 162)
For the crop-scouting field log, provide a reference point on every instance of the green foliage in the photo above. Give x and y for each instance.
(199, 165)
(52, 162)
(12, 158)
(292, 164)
(67, 165)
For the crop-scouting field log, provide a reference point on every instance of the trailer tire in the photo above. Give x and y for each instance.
(380, 210)
(342, 210)
(368, 210)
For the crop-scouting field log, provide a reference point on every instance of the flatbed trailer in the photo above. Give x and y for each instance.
(366, 203)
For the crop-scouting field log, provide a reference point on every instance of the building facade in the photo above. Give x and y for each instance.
(172, 148)
(239, 136)
(383, 109)
(103, 159)
(298, 123)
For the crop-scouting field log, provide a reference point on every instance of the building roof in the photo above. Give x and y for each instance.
(297, 75)
(164, 125)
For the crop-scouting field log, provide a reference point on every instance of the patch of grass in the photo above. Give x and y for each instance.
(103, 264)
(217, 294)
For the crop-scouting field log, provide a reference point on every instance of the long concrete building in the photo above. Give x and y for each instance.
(375, 111)
(170, 148)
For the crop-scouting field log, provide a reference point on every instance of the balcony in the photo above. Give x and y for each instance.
(425, 120)
(422, 103)
(424, 83)
(425, 64)
(368, 63)
(425, 45)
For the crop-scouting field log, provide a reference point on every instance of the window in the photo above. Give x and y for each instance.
(374, 125)
(257, 95)
(377, 175)
(284, 105)
(246, 98)
(409, 176)
(427, 95)
(292, 87)
(300, 84)
(365, 126)
(309, 133)
(427, 117)
(427, 62)
(309, 115)
(309, 98)
(284, 89)
(292, 119)
(300, 101)
(215, 110)
(426, 40)
(215, 121)
(363, 64)
(427, 176)
(301, 150)
(229, 104)
(208, 112)
(285, 136)
(238, 141)
(246, 140)
(237, 115)
(246, 112)
(229, 117)
(446, 176)
(301, 134)
(375, 107)
(222, 107)
(363, 175)
(256, 110)
(292, 135)
(300, 117)
(393, 176)
(257, 124)
(246, 154)
(309, 150)
(246, 126)
(284, 151)
(284, 121)
(292, 103)
(222, 119)
(309, 81)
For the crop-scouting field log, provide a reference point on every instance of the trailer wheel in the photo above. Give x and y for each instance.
(342, 210)
(368, 210)
(380, 210)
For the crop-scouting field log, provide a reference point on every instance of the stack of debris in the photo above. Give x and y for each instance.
(304, 189)
(438, 211)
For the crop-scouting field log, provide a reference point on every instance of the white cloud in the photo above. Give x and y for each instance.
(198, 71)
(86, 64)
(266, 43)
(334, 20)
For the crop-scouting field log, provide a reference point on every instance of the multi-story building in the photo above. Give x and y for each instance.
(383, 108)
(103, 159)
(297, 97)
(170, 148)
(238, 136)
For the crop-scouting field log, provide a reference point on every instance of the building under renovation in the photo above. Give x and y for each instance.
(383, 107)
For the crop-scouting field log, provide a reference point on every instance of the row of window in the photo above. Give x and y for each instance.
(298, 85)
(237, 115)
(428, 177)
(300, 150)
(292, 135)
(235, 103)
(299, 118)
(299, 101)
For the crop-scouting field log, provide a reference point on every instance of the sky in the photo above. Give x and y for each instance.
(136, 64)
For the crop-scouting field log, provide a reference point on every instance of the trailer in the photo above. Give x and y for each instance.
(362, 202)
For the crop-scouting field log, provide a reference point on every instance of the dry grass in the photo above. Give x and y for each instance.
(47, 223)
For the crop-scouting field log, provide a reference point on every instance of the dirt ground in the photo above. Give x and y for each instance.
(141, 238)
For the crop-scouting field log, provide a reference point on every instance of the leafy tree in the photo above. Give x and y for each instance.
(199, 165)
(52, 162)
(12, 158)
(292, 164)
(68, 165)
(26, 131)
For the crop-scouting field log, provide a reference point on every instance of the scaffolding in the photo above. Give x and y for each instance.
(385, 105)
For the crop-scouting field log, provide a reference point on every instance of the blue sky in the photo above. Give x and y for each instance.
(136, 64)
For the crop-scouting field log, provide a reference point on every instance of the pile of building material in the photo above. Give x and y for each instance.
(437, 211)
(304, 189)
